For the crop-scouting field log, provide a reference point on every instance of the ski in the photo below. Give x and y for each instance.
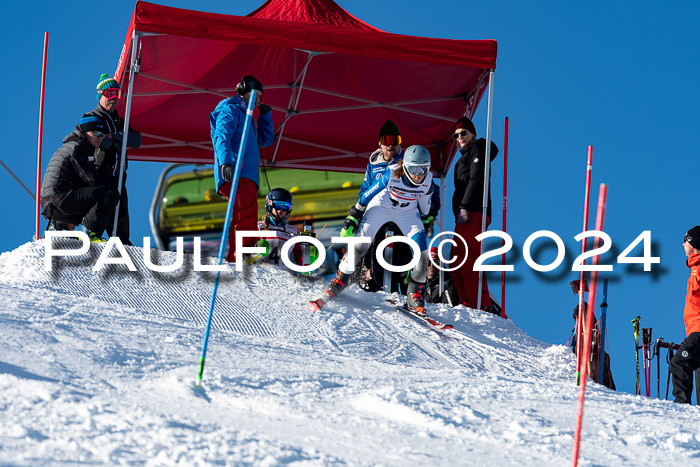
(317, 304)
(432, 323)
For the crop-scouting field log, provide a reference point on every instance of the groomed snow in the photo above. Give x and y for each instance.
(98, 368)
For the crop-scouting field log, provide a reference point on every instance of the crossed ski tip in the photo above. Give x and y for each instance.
(433, 323)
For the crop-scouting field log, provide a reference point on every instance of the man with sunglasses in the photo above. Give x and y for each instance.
(467, 202)
(687, 359)
(108, 160)
(72, 192)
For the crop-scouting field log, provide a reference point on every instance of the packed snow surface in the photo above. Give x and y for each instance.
(99, 368)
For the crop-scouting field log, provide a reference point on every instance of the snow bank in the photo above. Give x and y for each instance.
(98, 368)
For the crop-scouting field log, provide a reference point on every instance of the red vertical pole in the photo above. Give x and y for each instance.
(505, 210)
(582, 278)
(37, 234)
(600, 218)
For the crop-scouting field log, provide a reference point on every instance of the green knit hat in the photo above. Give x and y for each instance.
(106, 82)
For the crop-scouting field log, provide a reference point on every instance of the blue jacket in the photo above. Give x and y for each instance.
(226, 123)
(375, 169)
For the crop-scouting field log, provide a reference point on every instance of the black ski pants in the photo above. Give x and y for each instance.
(683, 364)
(94, 205)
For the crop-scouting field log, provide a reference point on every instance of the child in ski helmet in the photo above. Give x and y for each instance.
(401, 195)
(278, 206)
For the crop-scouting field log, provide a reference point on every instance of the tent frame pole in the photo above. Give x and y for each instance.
(133, 70)
(487, 175)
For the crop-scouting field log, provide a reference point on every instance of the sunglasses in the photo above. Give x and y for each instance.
(111, 93)
(462, 133)
(97, 134)
(687, 238)
(390, 140)
(417, 170)
(282, 205)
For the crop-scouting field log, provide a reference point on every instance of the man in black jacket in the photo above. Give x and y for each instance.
(108, 95)
(467, 206)
(72, 191)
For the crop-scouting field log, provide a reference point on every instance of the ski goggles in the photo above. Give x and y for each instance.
(111, 93)
(281, 205)
(390, 140)
(417, 170)
(97, 134)
(462, 133)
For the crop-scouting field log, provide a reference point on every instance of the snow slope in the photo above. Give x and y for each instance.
(98, 368)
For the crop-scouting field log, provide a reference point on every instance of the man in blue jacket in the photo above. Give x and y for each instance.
(226, 122)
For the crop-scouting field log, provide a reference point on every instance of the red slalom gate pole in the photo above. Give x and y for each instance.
(600, 218)
(582, 277)
(505, 210)
(37, 234)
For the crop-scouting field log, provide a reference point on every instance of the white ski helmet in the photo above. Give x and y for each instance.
(416, 161)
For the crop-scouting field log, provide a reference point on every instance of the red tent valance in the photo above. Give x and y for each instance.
(331, 79)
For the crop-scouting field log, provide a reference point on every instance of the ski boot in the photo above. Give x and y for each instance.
(54, 226)
(94, 238)
(415, 298)
(338, 283)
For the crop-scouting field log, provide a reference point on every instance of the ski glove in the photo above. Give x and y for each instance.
(227, 172)
(351, 222)
(463, 216)
(264, 108)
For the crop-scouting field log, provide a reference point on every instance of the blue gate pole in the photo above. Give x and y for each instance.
(603, 316)
(227, 224)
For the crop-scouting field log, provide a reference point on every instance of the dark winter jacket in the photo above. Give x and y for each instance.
(469, 178)
(71, 167)
(114, 125)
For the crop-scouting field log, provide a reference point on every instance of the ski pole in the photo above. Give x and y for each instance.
(635, 324)
(657, 353)
(603, 316)
(669, 356)
(582, 279)
(646, 351)
(224, 233)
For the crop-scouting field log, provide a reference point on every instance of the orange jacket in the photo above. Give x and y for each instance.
(691, 313)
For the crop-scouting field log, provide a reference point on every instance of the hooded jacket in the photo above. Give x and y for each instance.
(691, 312)
(469, 178)
(71, 167)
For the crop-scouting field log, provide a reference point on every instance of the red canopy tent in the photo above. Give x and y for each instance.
(330, 78)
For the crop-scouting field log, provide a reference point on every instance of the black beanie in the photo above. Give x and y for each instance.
(693, 237)
(465, 123)
(389, 128)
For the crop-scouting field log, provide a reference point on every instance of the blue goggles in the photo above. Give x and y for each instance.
(281, 205)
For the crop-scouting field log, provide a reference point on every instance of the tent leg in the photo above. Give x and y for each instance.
(441, 223)
(127, 114)
(487, 174)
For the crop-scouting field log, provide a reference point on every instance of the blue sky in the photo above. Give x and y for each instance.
(621, 76)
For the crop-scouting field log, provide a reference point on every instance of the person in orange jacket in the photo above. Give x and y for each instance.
(687, 359)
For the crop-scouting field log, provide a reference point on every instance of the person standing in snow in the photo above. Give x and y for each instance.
(401, 195)
(109, 158)
(72, 192)
(687, 358)
(467, 207)
(226, 123)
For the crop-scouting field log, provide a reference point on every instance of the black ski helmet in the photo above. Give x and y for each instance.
(278, 196)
